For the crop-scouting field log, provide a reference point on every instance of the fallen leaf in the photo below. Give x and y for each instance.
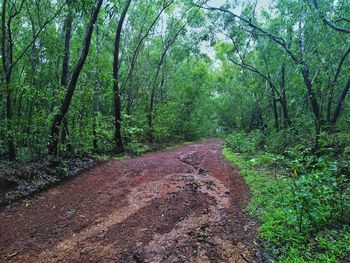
(13, 254)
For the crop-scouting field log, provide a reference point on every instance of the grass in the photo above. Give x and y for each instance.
(273, 204)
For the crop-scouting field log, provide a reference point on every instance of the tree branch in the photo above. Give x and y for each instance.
(330, 23)
(342, 60)
(255, 70)
(279, 40)
(136, 51)
(37, 35)
(342, 19)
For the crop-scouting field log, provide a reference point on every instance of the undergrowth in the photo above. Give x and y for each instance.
(302, 201)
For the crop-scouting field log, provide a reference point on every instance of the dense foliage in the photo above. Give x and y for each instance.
(302, 201)
(84, 77)
(164, 80)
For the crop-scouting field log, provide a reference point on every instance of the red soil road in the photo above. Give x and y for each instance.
(183, 205)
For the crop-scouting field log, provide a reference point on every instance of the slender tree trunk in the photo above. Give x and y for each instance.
(96, 90)
(137, 51)
(130, 97)
(57, 120)
(64, 76)
(310, 91)
(340, 102)
(34, 63)
(57, 77)
(332, 118)
(6, 53)
(314, 103)
(329, 103)
(275, 112)
(283, 99)
(168, 44)
(117, 102)
(152, 98)
(10, 139)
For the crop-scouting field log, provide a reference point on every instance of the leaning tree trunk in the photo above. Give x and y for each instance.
(117, 102)
(65, 72)
(57, 120)
(283, 99)
(340, 102)
(314, 104)
(332, 118)
(310, 91)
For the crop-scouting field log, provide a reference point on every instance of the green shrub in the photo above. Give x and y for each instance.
(245, 142)
(278, 141)
(304, 214)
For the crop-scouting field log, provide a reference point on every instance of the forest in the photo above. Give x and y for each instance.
(99, 81)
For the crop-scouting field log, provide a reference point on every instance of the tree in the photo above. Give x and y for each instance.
(57, 120)
(117, 103)
(300, 57)
(9, 62)
(65, 70)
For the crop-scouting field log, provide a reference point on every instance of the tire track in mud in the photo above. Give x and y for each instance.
(184, 205)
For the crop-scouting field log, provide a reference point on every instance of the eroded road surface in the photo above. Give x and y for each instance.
(183, 205)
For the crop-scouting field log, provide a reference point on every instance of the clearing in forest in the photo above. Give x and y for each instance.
(183, 205)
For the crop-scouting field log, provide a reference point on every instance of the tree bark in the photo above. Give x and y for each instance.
(283, 99)
(96, 90)
(57, 120)
(119, 148)
(340, 102)
(308, 83)
(314, 103)
(6, 53)
(65, 73)
(152, 98)
(34, 62)
(275, 112)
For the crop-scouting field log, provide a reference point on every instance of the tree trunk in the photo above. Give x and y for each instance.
(34, 62)
(64, 76)
(275, 112)
(136, 54)
(168, 44)
(153, 94)
(333, 118)
(340, 102)
(117, 102)
(314, 103)
(57, 120)
(283, 99)
(329, 104)
(6, 53)
(96, 90)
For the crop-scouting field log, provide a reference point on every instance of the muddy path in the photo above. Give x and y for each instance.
(183, 205)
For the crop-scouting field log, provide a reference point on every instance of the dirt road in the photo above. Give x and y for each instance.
(183, 205)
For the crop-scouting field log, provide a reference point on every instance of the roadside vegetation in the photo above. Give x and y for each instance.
(301, 200)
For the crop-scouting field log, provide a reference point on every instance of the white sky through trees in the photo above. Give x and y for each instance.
(260, 5)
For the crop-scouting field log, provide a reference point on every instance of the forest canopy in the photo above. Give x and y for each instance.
(87, 76)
